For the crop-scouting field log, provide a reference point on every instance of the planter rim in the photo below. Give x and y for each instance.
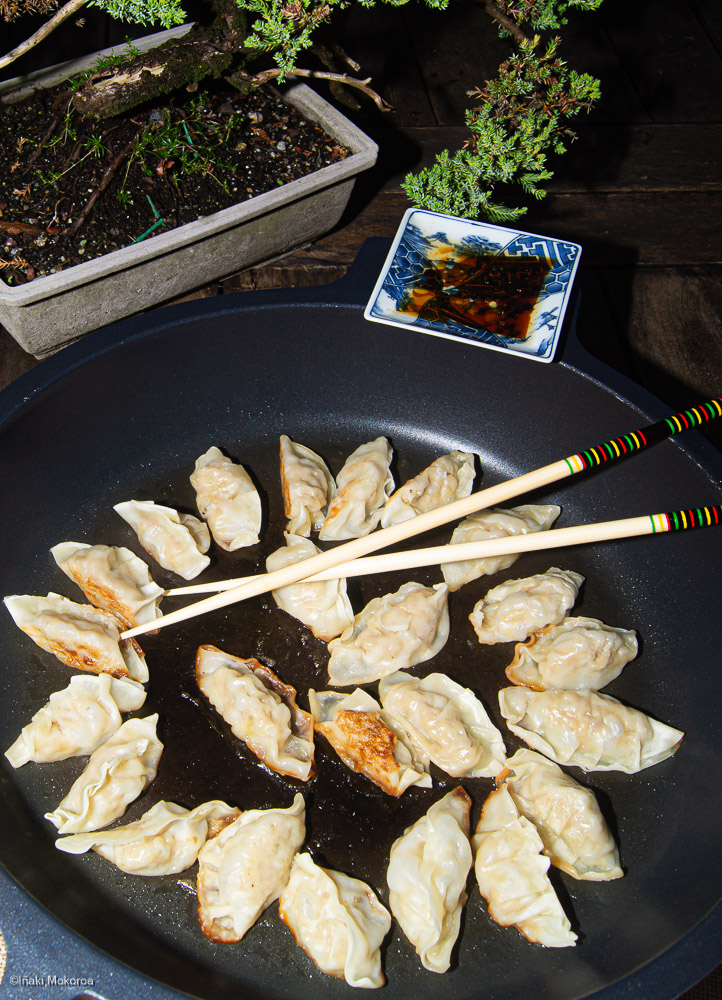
(303, 98)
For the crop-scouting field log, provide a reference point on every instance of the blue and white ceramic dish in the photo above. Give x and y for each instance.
(484, 285)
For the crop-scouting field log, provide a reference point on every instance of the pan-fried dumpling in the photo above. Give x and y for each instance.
(112, 578)
(449, 477)
(307, 487)
(364, 485)
(115, 775)
(427, 874)
(443, 722)
(76, 720)
(337, 920)
(176, 541)
(323, 606)
(512, 874)
(497, 522)
(244, 868)
(260, 709)
(164, 841)
(227, 500)
(567, 817)
(587, 729)
(392, 633)
(515, 609)
(577, 653)
(81, 636)
(356, 728)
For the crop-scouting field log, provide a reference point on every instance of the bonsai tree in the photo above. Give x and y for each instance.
(516, 120)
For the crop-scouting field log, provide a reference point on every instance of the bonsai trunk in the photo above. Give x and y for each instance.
(206, 51)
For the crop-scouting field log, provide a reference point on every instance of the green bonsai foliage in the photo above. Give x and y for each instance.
(517, 119)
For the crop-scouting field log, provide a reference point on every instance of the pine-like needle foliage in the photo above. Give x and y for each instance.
(519, 119)
(286, 27)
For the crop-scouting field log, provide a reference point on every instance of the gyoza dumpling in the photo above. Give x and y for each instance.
(115, 775)
(80, 635)
(443, 722)
(392, 633)
(112, 578)
(260, 709)
(356, 728)
(307, 487)
(164, 841)
(337, 920)
(567, 817)
(364, 484)
(323, 606)
(427, 874)
(497, 522)
(76, 720)
(448, 478)
(512, 874)
(227, 500)
(176, 541)
(515, 609)
(244, 868)
(587, 729)
(577, 653)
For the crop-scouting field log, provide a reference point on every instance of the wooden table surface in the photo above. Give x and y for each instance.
(641, 189)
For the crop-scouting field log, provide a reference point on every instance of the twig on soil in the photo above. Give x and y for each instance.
(104, 182)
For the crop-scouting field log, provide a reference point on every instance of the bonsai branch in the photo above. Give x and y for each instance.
(50, 25)
(498, 15)
(258, 79)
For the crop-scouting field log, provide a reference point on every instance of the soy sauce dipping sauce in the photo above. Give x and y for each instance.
(485, 291)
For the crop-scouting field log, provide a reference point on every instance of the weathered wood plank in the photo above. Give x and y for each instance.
(673, 323)
(674, 66)
(603, 158)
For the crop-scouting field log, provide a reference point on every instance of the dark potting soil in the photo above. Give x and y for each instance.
(72, 189)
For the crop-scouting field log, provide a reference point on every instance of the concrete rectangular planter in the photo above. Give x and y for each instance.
(51, 311)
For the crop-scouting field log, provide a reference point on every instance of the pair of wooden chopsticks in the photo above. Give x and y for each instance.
(341, 560)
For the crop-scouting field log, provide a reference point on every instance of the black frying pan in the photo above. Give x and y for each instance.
(125, 413)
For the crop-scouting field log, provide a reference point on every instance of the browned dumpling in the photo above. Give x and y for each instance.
(246, 867)
(357, 729)
(260, 709)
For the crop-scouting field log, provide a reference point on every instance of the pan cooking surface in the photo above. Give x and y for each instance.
(129, 422)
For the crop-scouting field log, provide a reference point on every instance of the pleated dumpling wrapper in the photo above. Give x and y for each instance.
(449, 477)
(79, 635)
(588, 730)
(575, 654)
(260, 709)
(575, 834)
(227, 500)
(427, 873)
(512, 611)
(164, 841)
(337, 920)
(112, 578)
(357, 729)
(443, 722)
(116, 774)
(246, 867)
(393, 632)
(512, 874)
(307, 486)
(322, 606)
(176, 541)
(364, 485)
(76, 720)
(497, 522)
